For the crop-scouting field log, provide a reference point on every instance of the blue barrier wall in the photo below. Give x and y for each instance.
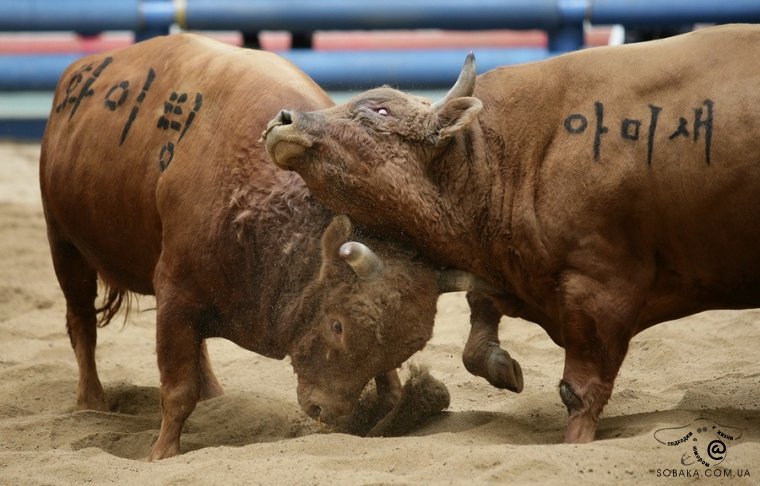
(332, 70)
(563, 20)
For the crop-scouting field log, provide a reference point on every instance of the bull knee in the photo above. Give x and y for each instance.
(569, 398)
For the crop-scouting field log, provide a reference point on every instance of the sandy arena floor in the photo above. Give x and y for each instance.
(704, 366)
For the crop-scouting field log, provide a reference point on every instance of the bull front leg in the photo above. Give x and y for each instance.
(482, 354)
(592, 361)
(388, 388)
(600, 307)
(372, 409)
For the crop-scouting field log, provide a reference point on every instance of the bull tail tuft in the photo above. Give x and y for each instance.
(113, 299)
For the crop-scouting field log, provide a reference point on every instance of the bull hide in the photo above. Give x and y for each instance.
(153, 182)
(603, 191)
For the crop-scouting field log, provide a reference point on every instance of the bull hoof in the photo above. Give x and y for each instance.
(95, 402)
(503, 371)
(159, 453)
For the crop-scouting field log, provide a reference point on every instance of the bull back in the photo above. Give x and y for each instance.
(120, 120)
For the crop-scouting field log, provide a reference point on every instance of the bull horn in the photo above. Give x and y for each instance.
(459, 281)
(365, 263)
(465, 84)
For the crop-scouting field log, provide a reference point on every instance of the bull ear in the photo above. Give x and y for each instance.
(336, 233)
(454, 115)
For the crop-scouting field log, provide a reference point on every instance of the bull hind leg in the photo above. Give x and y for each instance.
(482, 354)
(209, 384)
(78, 281)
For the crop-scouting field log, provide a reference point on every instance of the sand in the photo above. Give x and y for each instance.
(701, 366)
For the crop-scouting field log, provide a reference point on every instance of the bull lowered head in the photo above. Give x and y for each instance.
(367, 312)
(375, 151)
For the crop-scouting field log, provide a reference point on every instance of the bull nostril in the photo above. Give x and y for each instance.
(285, 117)
(314, 411)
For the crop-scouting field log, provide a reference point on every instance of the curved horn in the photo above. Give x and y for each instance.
(458, 281)
(465, 83)
(365, 263)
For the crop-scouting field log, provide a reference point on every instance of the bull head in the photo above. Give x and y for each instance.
(292, 135)
(365, 317)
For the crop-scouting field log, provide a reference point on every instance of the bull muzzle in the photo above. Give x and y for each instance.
(327, 409)
(284, 142)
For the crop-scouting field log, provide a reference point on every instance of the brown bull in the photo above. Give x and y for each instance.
(603, 191)
(153, 182)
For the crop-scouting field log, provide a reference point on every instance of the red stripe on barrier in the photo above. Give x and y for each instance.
(327, 41)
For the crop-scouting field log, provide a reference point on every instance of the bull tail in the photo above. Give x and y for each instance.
(113, 299)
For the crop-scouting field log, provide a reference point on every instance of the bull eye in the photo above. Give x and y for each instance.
(337, 327)
(381, 110)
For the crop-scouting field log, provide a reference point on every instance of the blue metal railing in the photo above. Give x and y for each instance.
(563, 20)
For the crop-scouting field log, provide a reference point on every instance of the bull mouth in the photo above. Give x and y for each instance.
(285, 144)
